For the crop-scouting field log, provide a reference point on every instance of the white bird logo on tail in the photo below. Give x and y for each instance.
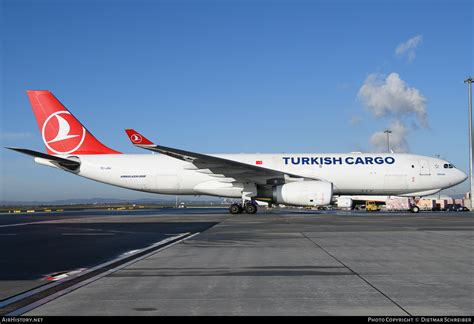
(63, 131)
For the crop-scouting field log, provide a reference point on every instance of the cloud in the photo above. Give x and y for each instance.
(392, 97)
(409, 47)
(397, 139)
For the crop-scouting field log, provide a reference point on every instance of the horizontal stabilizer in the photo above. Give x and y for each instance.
(61, 162)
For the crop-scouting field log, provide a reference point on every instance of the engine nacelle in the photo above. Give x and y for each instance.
(303, 193)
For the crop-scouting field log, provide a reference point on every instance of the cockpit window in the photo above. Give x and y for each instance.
(448, 165)
(445, 166)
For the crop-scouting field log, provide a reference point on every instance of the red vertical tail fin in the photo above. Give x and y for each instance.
(62, 133)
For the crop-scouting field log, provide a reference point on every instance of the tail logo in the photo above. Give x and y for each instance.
(136, 138)
(62, 134)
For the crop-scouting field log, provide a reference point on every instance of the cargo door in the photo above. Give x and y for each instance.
(424, 167)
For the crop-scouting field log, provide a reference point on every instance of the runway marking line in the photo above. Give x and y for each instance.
(22, 224)
(86, 234)
(51, 221)
(29, 300)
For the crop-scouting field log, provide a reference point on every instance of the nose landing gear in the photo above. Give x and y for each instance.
(415, 209)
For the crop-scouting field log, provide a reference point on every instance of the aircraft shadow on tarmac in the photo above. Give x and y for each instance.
(33, 251)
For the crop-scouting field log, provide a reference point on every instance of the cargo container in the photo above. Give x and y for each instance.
(345, 203)
(426, 204)
(397, 203)
(441, 204)
(459, 202)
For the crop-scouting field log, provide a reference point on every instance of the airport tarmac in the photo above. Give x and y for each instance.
(33, 246)
(271, 263)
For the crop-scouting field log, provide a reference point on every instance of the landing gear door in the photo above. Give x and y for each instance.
(424, 167)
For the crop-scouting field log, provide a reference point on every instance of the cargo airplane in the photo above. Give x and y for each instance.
(290, 179)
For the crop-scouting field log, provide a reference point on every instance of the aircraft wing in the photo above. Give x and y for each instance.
(216, 166)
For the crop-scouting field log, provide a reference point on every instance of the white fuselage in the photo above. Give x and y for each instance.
(350, 174)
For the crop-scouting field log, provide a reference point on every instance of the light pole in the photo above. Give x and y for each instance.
(388, 139)
(469, 81)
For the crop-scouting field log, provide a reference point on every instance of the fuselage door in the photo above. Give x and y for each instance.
(424, 167)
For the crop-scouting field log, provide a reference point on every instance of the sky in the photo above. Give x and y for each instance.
(235, 76)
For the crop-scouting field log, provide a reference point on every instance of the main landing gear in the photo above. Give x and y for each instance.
(248, 204)
(250, 207)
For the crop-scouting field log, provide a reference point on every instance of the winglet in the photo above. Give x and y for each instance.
(136, 138)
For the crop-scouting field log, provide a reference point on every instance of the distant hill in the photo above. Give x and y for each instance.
(104, 201)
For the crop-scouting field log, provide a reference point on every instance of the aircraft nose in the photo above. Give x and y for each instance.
(461, 176)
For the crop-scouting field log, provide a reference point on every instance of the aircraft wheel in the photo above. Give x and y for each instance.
(235, 209)
(415, 209)
(250, 208)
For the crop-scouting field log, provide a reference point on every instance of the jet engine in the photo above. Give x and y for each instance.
(303, 193)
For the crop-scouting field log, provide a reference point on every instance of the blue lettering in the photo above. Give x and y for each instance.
(295, 160)
(359, 160)
(338, 160)
(389, 160)
(378, 160)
